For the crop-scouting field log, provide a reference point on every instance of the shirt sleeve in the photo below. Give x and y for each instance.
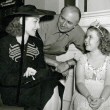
(42, 31)
(77, 36)
(72, 53)
(45, 27)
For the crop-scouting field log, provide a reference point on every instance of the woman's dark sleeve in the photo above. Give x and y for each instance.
(41, 62)
(9, 70)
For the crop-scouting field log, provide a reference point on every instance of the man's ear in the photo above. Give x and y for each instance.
(20, 20)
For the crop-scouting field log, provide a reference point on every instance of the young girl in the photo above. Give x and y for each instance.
(93, 72)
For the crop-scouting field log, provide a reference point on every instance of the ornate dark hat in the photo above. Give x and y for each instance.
(31, 10)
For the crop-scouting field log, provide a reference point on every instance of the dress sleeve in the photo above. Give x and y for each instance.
(107, 75)
(82, 59)
(80, 70)
(40, 59)
(7, 74)
(108, 63)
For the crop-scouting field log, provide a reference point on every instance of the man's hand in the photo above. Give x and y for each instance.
(62, 67)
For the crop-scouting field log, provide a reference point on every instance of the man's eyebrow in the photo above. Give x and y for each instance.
(62, 17)
(67, 20)
(70, 22)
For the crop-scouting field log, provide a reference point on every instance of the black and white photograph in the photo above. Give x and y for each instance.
(55, 55)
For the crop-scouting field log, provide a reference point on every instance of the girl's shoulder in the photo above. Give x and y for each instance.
(83, 59)
(107, 62)
(108, 59)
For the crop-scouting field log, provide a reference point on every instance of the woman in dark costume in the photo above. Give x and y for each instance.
(34, 72)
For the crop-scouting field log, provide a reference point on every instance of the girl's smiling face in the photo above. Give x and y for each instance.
(91, 40)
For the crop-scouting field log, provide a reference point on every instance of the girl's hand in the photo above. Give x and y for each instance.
(96, 103)
(90, 99)
(30, 72)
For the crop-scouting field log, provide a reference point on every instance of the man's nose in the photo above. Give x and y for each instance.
(64, 23)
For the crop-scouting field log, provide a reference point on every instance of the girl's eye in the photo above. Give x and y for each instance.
(90, 37)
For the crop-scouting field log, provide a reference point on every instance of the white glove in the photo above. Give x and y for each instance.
(30, 72)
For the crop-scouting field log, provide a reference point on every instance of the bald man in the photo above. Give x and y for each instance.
(63, 42)
(62, 31)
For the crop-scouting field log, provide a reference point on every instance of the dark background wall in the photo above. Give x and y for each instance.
(7, 7)
(69, 2)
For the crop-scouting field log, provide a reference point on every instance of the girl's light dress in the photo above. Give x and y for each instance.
(94, 82)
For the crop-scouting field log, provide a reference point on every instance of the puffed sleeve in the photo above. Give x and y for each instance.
(7, 74)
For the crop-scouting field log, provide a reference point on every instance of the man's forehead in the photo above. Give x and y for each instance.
(68, 14)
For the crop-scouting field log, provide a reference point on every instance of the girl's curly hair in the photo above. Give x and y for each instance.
(14, 28)
(104, 45)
